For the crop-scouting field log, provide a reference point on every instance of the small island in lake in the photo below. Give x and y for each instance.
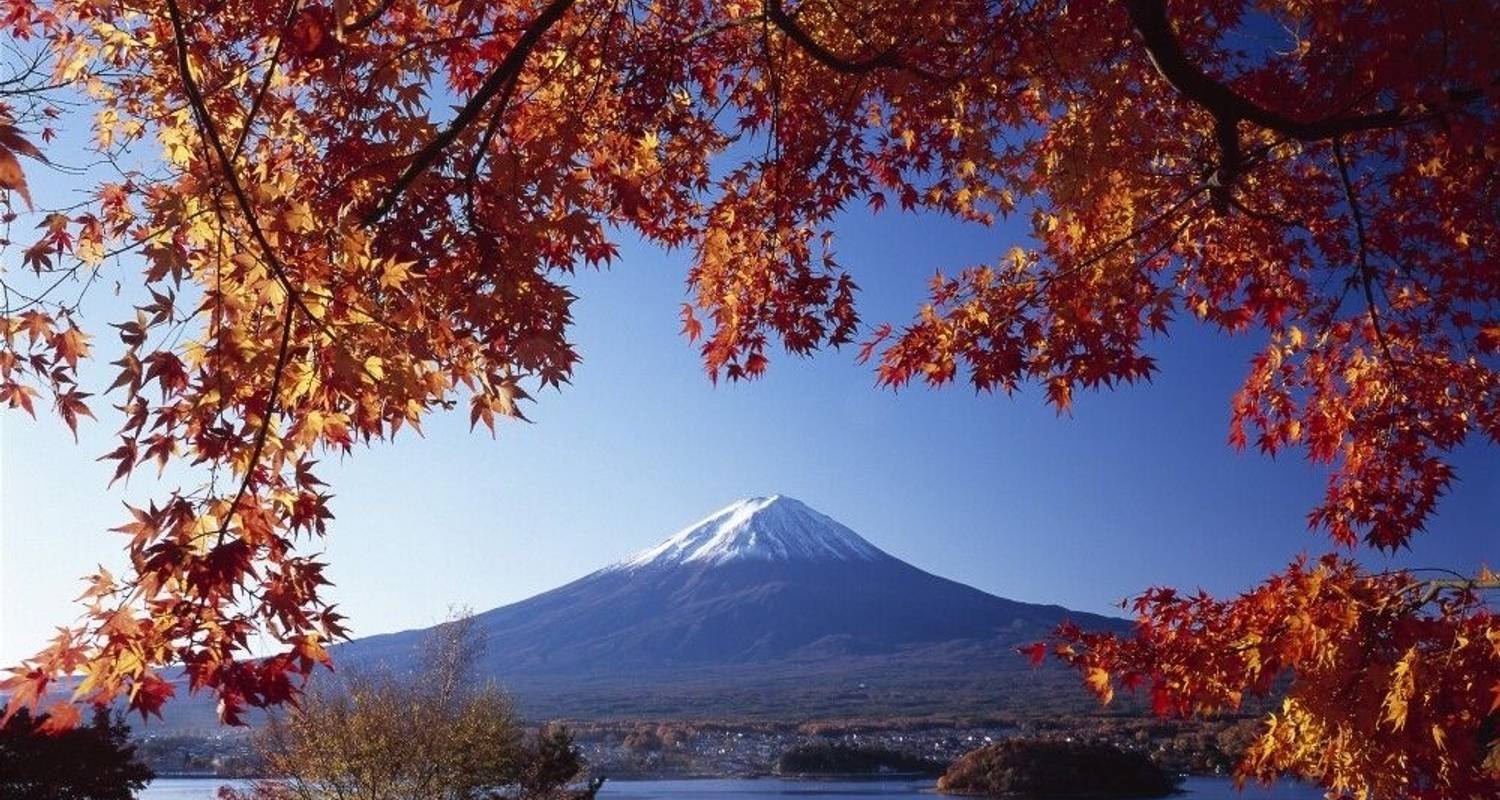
(1053, 769)
(830, 760)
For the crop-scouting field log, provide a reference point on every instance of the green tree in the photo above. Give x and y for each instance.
(551, 761)
(93, 762)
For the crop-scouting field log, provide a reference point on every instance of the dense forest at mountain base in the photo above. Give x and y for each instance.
(825, 759)
(1056, 769)
(662, 749)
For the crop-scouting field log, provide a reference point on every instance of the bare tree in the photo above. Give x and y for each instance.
(438, 733)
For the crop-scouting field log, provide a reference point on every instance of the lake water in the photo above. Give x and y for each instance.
(739, 789)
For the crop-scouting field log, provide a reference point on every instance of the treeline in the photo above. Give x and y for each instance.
(650, 734)
(823, 758)
(1196, 746)
(1188, 746)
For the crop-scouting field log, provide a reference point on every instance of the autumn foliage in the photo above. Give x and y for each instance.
(359, 212)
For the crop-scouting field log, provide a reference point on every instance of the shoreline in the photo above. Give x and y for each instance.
(852, 777)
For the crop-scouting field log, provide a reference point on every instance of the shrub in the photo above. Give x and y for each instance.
(434, 734)
(1051, 769)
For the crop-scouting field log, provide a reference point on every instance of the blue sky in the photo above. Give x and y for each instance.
(1136, 487)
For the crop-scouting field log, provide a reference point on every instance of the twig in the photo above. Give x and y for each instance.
(265, 84)
(1366, 272)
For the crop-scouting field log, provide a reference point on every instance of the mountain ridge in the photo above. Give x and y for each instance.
(762, 591)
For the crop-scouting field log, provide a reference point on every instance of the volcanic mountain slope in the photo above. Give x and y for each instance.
(766, 604)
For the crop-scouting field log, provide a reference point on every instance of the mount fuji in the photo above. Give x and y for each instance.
(765, 607)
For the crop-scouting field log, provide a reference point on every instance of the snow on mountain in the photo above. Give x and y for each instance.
(774, 528)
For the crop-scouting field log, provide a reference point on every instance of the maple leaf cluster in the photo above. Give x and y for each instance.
(1384, 703)
(362, 211)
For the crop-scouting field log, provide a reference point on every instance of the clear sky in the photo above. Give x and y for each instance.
(1136, 487)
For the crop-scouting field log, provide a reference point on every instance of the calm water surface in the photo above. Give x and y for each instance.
(736, 789)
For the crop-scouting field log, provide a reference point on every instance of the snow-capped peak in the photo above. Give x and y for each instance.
(774, 528)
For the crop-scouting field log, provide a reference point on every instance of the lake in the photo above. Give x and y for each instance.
(740, 789)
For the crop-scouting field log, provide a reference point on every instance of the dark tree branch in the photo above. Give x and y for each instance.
(367, 19)
(1427, 591)
(211, 132)
(507, 72)
(283, 351)
(493, 127)
(1367, 275)
(496, 117)
(1231, 162)
(1466, 584)
(889, 59)
(1229, 108)
(1149, 17)
(294, 298)
(1363, 257)
(265, 84)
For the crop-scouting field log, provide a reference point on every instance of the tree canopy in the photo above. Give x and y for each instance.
(42, 758)
(363, 211)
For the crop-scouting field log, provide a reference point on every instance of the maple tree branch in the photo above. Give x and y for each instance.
(887, 59)
(1465, 584)
(1366, 272)
(265, 84)
(1150, 20)
(1268, 217)
(263, 432)
(508, 71)
(778, 15)
(1231, 161)
(366, 19)
(1135, 233)
(211, 132)
(496, 116)
(1229, 108)
(414, 45)
(1431, 589)
(720, 27)
(294, 297)
(490, 129)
